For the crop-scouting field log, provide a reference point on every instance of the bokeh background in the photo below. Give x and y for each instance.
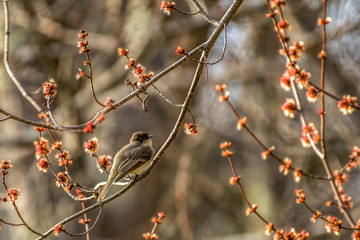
(190, 182)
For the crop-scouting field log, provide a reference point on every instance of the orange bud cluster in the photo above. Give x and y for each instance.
(190, 129)
(300, 196)
(5, 166)
(48, 88)
(167, 7)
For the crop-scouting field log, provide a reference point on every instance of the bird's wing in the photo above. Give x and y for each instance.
(134, 159)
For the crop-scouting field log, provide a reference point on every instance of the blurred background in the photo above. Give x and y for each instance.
(190, 182)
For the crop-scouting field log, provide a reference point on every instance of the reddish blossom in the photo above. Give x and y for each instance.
(79, 193)
(333, 225)
(161, 215)
(311, 94)
(109, 102)
(150, 236)
(83, 221)
(83, 43)
(139, 69)
(271, 15)
(300, 196)
(82, 34)
(355, 235)
(296, 50)
(315, 216)
(156, 220)
(43, 164)
(91, 146)
(224, 145)
(252, 209)
(286, 166)
(13, 194)
(180, 50)
(48, 88)
(321, 112)
(57, 145)
(234, 180)
(322, 22)
(167, 7)
(220, 88)
(303, 79)
(122, 51)
(322, 54)
(58, 229)
(143, 78)
(268, 228)
(283, 24)
(277, 3)
(190, 129)
(309, 131)
(285, 81)
(241, 123)
(346, 200)
(61, 178)
(297, 175)
(289, 108)
(131, 63)
(104, 163)
(302, 235)
(63, 158)
(41, 147)
(266, 154)
(227, 153)
(354, 159)
(346, 105)
(5, 166)
(340, 177)
(80, 74)
(40, 129)
(280, 234)
(89, 127)
(224, 97)
(293, 71)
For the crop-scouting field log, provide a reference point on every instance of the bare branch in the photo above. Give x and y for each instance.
(6, 59)
(204, 14)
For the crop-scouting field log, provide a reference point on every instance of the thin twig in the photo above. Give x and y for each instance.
(324, 219)
(11, 224)
(322, 85)
(186, 13)
(5, 118)
(87, 228)
(222, 53)
(90, 77)
(165, 98)
(243, 192)
(325, 162)
(330, 94)
(262, 145)
(17, 210)
(204, 14)
(6, 59)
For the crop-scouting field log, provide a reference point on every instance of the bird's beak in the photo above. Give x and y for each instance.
(150, 136)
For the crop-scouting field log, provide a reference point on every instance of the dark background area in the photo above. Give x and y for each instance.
(190, 182)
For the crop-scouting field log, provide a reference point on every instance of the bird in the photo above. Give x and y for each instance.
(133, 158)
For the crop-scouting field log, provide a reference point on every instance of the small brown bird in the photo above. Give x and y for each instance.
(133, 158)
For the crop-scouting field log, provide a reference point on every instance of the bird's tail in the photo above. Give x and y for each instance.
(106, 188)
